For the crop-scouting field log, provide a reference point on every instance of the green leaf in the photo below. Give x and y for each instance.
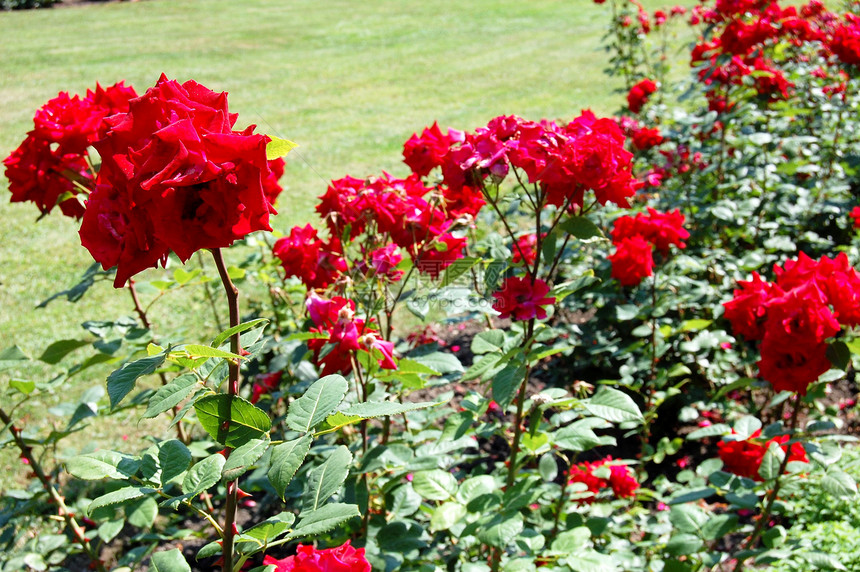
(572, 541)
(688, 518)
(260, 535)
(506, 383)
(245, 326)
(447, 515)
(325, 519)
(717, 429)
(435, 484)
(372, 409)
(441, 362)
(169, 561)
(173, 458)
(580, 436)
(581, 227)
(839, 483)
(489, 341)
(719, 525)
(547, 467)
(683, 544)
(287, 457)
(122, 495)
(404, 501)
(326, 479)
(25, 387)
(613, 405)
(243, 458)
(10, 357)
(839, 354)
(457, 269)
(769, 468)
(122, 381)
(277, 147)
(231, 420)
(169, 396)
(204, 475)
(109, 529)
(501, 529)
(198, 351)
(405, 365)
(142, 512)
(182, 276)
(102, 465)
(319, 401)
(58, 350)
(746, 426)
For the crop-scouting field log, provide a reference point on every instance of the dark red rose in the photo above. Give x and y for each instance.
(632, 261)
(743, 457)
(343, 558)
(522, 299)
(639, 94)
(182, 173)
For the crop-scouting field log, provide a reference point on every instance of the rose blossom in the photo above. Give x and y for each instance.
(174, 177)
(522, 299)
(632, 261)
(744, 457)
(343, 558)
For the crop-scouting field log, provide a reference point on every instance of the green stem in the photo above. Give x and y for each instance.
(771, 498)
(233, 390)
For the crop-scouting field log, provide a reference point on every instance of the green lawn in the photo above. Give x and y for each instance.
(349, 81)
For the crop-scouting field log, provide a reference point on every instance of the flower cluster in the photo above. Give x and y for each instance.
(565, 161)
(522, 299)
(639, 94)
(603, 474)
(174, 176)
(635, 238)
(794, 316)
(265, 385)
(342, 558)
(315, 262)
(51, 166)
(345, 333)
(421, 220)
(743, 457)
(743, 32)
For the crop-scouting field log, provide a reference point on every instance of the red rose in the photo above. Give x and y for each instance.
(304, 255)
(645, 138)
(425, 152)
(632, 261)
(748, 308)
(346, 333)
(845, 41)
(793, 349)
(621, 479)
(52, 162)
(39, 174)
(343, 558)
(185, 178)
(639, 94)
(744, 458)
(522, 299)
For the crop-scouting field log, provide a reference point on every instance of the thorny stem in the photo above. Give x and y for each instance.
(64, 512)
(771, 498)
(233, 390)
(210, 298)
(141, 313)
(518, 421)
